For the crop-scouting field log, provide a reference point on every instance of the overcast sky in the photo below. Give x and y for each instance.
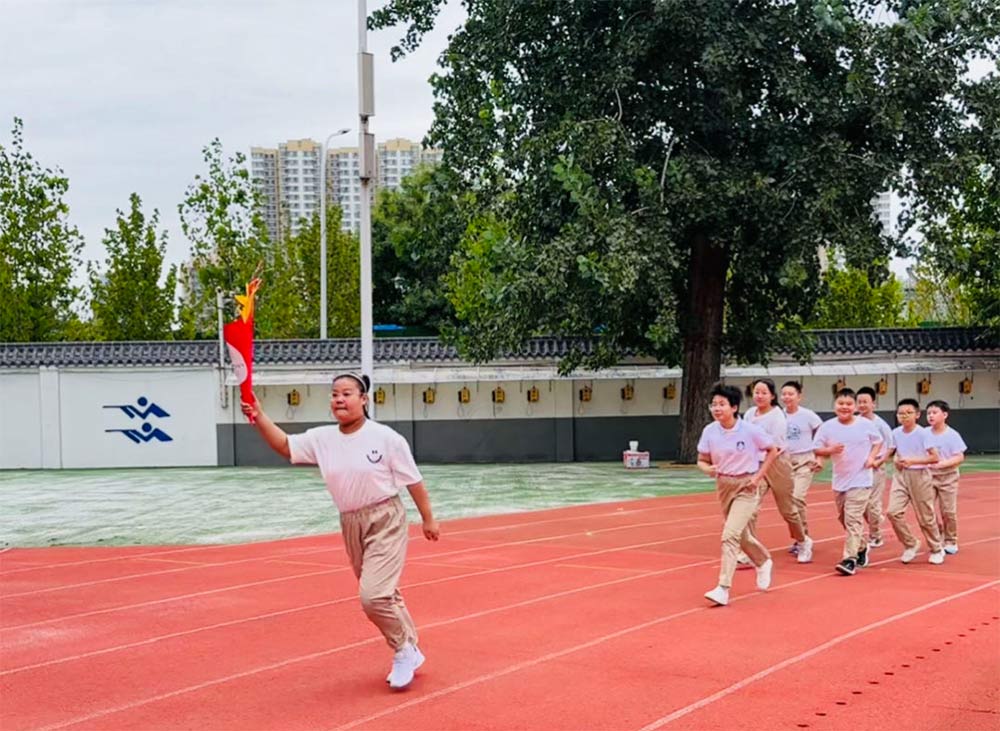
(123, 94)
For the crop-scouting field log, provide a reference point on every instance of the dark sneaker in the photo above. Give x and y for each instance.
(862, 558)
(847, 567)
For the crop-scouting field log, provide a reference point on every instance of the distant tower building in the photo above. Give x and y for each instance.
(264, 174)
(884, 205)
(289, 179)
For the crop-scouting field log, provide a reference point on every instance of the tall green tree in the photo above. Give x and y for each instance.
(416, 229)
(851, 300)
(39, 248)
(343, 272)
(666, 171)
(221, 217)
(964, 244)
(127, 299)
(937, 297)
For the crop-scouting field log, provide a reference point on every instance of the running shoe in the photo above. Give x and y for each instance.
(719, 595)
(806, 551)
(847, 567)
(764, 575)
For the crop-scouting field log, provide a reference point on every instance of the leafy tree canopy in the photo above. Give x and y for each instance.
(39, 248)
(415, 232)
(665, 171)
(128, 300)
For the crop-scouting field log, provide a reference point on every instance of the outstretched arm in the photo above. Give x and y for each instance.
(273, 434)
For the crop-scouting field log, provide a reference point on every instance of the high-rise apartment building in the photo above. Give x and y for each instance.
(288, 178)
(884, 205)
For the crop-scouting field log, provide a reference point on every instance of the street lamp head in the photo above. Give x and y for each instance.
(342, 131)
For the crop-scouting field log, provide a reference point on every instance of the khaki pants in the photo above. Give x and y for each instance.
(946, 493)
(851, 506)
(914, 486)
(375, 539)
(779, 481)
(802, 477)
(873, 512)
(739, 502)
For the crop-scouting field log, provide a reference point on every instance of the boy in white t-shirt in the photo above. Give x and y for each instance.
(801, 424)
(944, 473)
(874, 514)
(728, 451)
(853, 444)
(912, 483)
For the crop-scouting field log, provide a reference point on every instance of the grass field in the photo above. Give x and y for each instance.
(238, 504)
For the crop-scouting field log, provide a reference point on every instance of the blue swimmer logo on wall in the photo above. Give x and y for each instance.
(142, 410)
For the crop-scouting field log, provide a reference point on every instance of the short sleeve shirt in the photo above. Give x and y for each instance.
(913, 445)
(884, 431)
(773, 422)
(849, 469)
(734, 451)
(359, 469)
(948, 443)
(801, 426)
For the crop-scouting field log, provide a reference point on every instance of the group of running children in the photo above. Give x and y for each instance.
(770, 450)
(364, 463)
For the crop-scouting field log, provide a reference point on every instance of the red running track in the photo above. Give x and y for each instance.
(587, 617)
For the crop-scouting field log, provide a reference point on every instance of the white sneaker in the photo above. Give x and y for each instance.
(719, 595)
(910, 553)
(937, 557)
(806, 551)
(876, 542)
(404, 664)
(951, 548)
(764, 575)
(743, 562)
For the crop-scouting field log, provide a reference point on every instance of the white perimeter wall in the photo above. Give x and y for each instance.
(73, 419)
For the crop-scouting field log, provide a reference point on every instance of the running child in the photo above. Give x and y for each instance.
(363, 464)
(766, 415)
(802, 425)
(853, 444)
(912, 483)
(728, 451)
(944, 473)
(874, 515)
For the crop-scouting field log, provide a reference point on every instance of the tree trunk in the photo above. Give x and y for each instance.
(702, 331)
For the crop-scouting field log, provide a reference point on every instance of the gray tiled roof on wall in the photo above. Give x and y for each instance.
(431, 350)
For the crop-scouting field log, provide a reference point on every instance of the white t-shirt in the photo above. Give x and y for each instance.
(849, 466)
(359, 469)
(948, 443)
(734, 451)
(884, 431)
(801, 426)
(913, 445)
(773, 423)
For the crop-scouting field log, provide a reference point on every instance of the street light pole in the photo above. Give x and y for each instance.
(322, 231)
(366, 170)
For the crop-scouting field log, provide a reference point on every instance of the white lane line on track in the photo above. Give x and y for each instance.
(749, 680)
(453, 620)
(327, 603)
(666, 506)
(472, 549)
(592, 643)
